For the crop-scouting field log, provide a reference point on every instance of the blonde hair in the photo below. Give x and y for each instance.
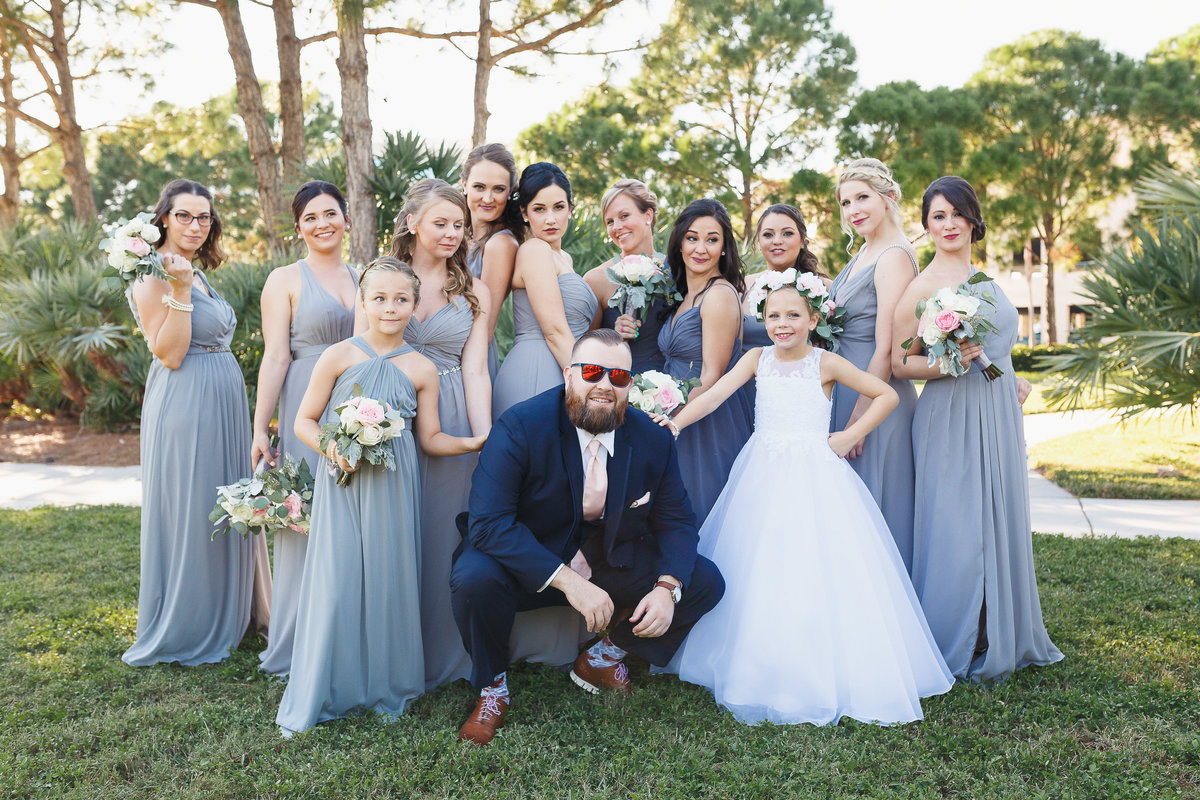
(638, 192)
(390, 264)
(875, 174)
(422, 196)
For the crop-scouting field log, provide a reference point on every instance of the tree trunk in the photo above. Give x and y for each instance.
(356, 131)
(10, 159)
(258, 130)
(1049, 237)
(483, 74)
(69, 135)
(1027, 257)
(747, 208)
(291, 93)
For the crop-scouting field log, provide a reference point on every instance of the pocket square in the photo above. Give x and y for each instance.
(641, 501)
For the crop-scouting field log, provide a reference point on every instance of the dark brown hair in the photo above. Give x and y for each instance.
(807, 260)
(961, 197)
(210, 254)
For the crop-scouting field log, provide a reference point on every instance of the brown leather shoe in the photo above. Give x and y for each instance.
(487, 717)
(614, 676)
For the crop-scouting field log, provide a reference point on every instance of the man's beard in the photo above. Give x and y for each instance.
(592, 419)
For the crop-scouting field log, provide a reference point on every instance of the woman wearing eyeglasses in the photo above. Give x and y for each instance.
(195, 592)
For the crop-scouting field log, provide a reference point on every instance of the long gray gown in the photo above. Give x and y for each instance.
(445, 487)
(972, 545)
(319, 320)
(475, 267)
(707, 448)
(546, 635)
(358, 628)
(195, 592)
(530, 368)
(886, 462)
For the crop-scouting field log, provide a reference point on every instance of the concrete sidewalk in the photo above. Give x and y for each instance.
(1053, 510)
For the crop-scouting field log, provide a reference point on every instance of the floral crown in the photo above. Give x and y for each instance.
(830, 317)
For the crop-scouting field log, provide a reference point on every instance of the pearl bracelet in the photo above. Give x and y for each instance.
(171, 302)
(673, 428)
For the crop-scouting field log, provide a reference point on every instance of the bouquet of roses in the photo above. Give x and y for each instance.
(639, 280)
(831, 318)
(658, 393)
(130, 252)
(274, 499)
(362, 430)
(948, 319)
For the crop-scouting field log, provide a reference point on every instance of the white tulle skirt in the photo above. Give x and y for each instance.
(819, 619)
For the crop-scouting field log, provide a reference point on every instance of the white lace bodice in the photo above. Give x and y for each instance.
(790, 407)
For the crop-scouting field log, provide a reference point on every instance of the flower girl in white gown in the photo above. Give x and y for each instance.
(819, 619)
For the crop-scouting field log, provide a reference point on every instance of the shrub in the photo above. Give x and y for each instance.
(1032, 359)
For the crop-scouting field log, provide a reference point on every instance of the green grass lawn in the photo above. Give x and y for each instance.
(1120, 461)
(1036, 402)
(1119, 718)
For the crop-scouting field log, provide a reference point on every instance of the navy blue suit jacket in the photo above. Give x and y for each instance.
(527, 495)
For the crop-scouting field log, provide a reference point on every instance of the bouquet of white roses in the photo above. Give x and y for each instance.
(362, 430)
(129, 247)
(831, 318)
(275, 499)
(639, 280)
(949, 318)
(658, 393)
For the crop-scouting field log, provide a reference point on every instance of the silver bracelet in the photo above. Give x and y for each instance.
(171, 302)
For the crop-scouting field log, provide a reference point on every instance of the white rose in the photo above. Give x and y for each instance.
(943, 298)
(149, 233)
(369, 435)
(807, 282)
(932, 335)
(775, 280)
(348, 416)
(635, 397)
(965, 304)
(242, 512)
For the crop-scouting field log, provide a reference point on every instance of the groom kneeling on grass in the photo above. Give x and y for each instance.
(577, 500)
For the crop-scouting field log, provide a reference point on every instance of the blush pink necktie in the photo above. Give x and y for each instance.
(595, 485)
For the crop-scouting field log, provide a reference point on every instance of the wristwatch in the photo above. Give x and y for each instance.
(676, 592)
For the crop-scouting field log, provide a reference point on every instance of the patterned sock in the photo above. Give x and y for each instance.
(603, 653)
(499, 687)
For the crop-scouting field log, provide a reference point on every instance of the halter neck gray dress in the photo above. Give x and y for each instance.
(195, 592)
(475, 267)
(886, 462)
(358, 627)
(530, 368)
(546, 635)
(445, 487)
(319, 320)
(972, 545)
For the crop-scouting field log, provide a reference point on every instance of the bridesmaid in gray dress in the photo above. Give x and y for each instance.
(972, 547)
(195, 593)
(551, 306)
(496, 230)
(630, 211)
(358, 629)
(306, 307)
(703, 340)
(450, 328)
(869, 287)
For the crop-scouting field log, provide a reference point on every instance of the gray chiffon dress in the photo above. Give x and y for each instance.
(445, 487)
(886, 462)
(546, 635)
(475, 267)
(319, 320)
(195, 592)
(972, 546)
(707, 448)
(358, 625)
(530, 368)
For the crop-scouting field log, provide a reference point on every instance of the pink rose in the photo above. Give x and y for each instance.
(666, 399)
(260, 512)
(828, 307)
(370, 412)
(137, 246)
(947, 321)
(294, 505)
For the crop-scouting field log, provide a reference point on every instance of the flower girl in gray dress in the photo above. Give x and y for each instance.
(358, 627)
(306, 306)
(195, 592)
(449, 327)
(972, 547)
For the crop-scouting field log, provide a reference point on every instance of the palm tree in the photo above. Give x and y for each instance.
(1141, 345)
